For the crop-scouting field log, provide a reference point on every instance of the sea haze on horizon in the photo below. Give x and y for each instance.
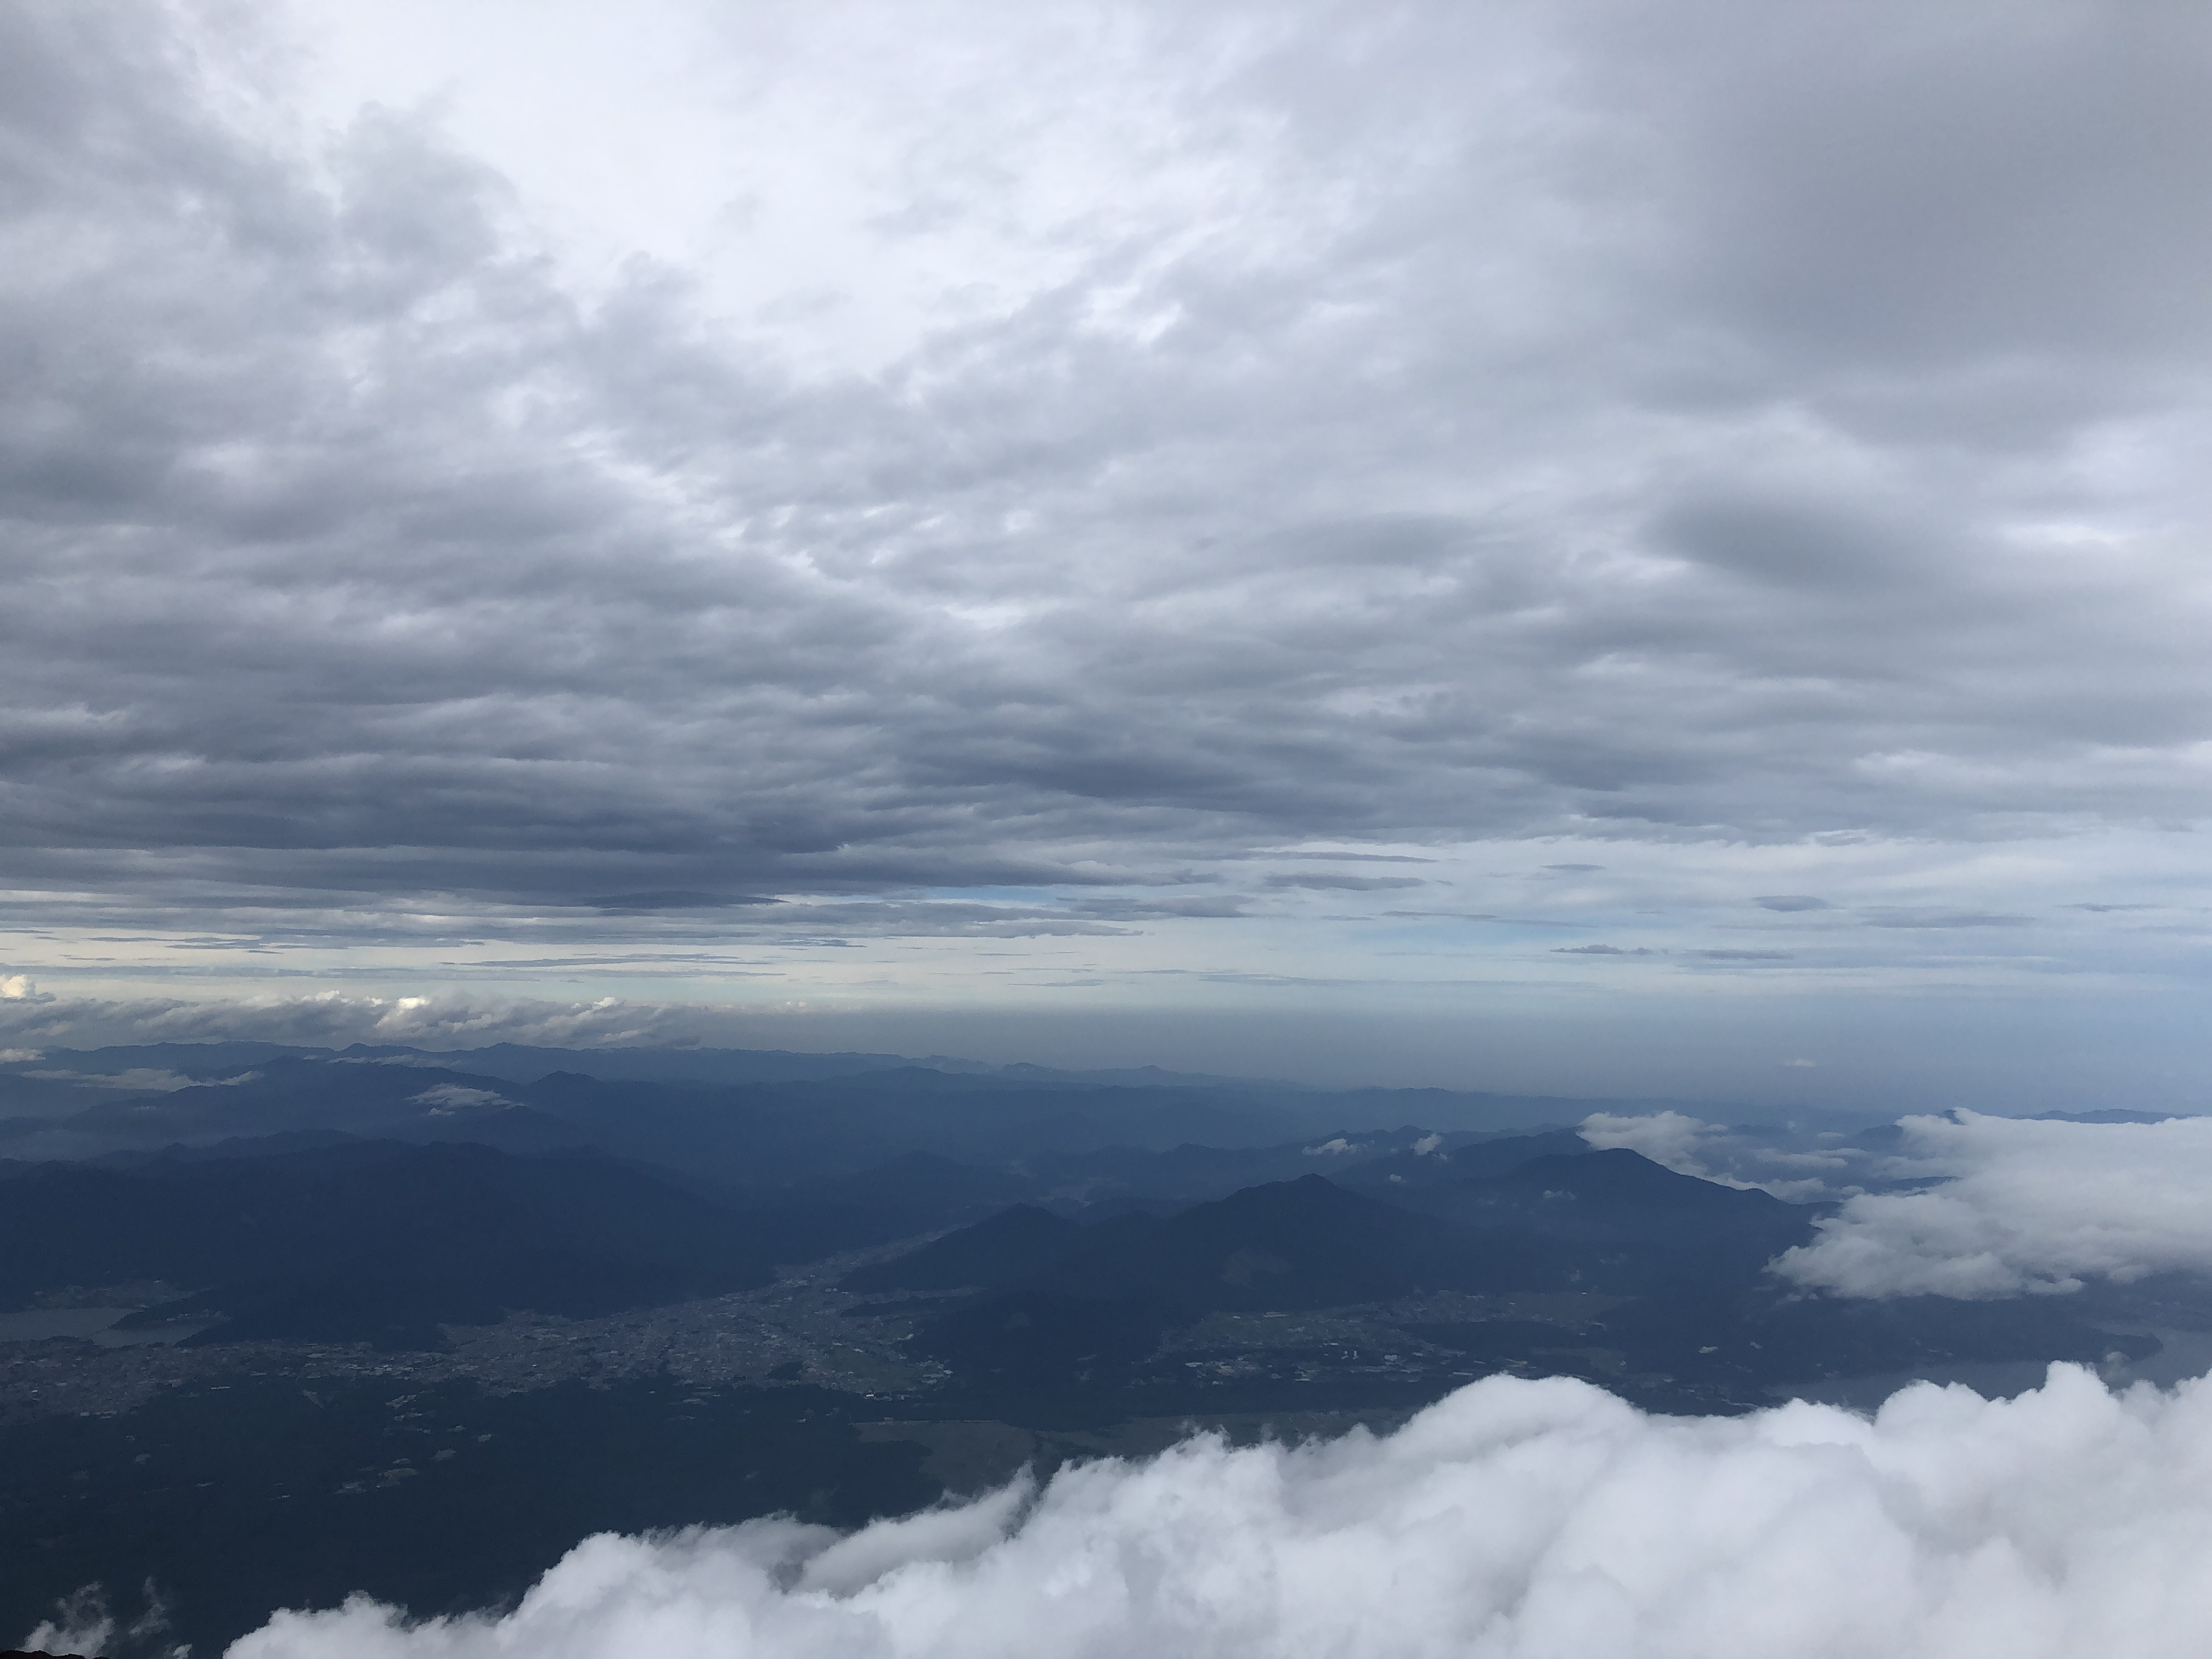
(1540, 548)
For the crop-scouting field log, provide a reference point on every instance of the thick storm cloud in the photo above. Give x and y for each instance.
(2012, 1205)
(1512, 1521)
(1427, 426)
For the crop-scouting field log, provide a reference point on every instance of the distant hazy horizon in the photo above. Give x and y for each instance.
(1638, 1051)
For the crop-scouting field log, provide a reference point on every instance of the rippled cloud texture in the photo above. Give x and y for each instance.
(1454, 420)
(1709, 499)
(1535, 1520)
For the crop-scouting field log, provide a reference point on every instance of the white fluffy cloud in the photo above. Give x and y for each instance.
(1671, 1139)
(1801, 1170)
(2021, 1206)
(453, 1096)
(1512, 1521)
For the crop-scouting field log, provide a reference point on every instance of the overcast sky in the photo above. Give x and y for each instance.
(1576, 546)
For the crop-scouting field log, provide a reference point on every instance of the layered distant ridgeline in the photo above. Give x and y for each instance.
(731, 1115)
(287, 1323)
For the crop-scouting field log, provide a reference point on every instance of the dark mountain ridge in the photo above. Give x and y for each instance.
(68, 1103)
(1105, 1296)
(373, 1241)
(1617, 1195)
(1013, 1245)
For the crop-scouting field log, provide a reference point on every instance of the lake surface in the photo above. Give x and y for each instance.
(2183, 1355)
(86, 1324)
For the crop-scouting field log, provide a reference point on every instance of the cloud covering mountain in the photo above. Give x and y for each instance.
(2013, 1207)
(1536, 1520)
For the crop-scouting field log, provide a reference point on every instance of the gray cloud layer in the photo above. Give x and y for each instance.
(1512, 1521)
(1752, 426)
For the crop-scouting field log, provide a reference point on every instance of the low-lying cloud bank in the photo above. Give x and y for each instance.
(1803, 1170)
(2021, 1206)
(446, 1020)
(1514, 1520)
